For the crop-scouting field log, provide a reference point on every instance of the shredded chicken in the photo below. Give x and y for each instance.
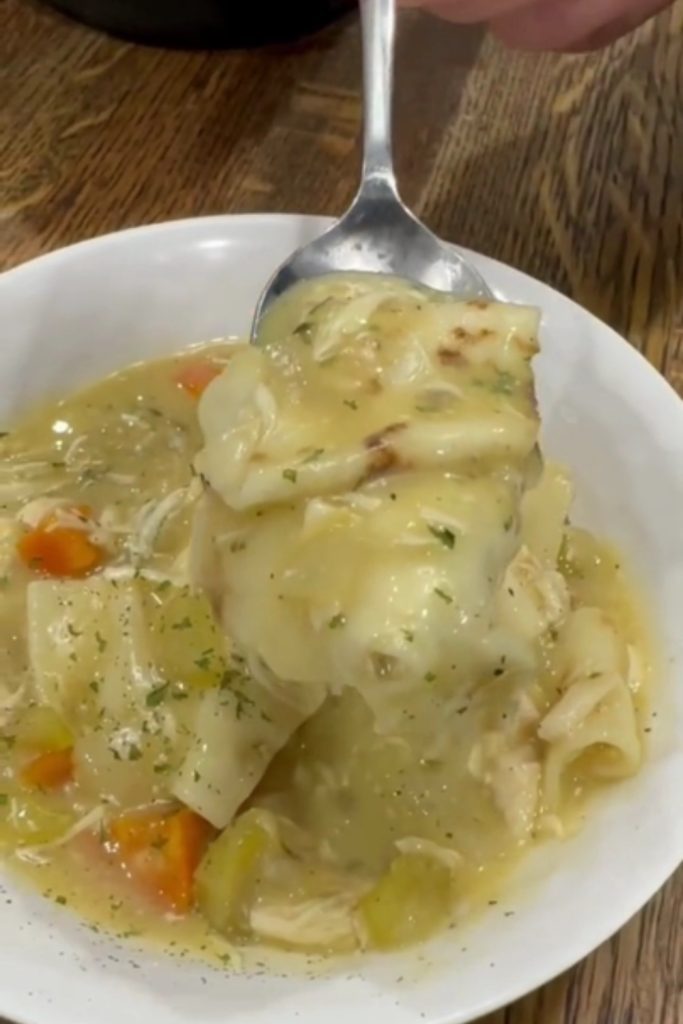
(88, 823)
(320, 923)
(451, 859)
(10, 702)
(512, 771)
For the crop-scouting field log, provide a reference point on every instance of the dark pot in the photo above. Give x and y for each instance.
(210, 24)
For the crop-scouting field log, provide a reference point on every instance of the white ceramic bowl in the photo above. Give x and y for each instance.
(76, 314)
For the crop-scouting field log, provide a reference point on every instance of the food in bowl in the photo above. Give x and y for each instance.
(302, 644)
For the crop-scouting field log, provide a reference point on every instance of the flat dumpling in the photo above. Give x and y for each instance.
(158, 702)
(378, 590)
(365, 472)
(414, 381)
(593, 727)
(236, 731)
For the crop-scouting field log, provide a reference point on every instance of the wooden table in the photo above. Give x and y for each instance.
(570, 168)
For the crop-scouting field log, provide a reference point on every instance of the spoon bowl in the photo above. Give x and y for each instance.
(377, 234)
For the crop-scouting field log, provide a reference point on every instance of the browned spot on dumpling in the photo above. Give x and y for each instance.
(382, 461)
(383, 457)
(531, 396)
(526, 346)
(378, 439)
(479, 304)
(451, 357)
(383, 665)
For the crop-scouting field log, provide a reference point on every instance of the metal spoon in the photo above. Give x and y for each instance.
(378, 233)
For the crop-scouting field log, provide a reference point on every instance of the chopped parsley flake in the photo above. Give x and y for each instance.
(504, 383)
(185, 623)
(289, 474)
(155, 696)
(134, 753)
(351, 403)
(243, 702)
(337, 621)
(443, 595)
(100, 641)
(444, 535)
(314, 455)
(304, 331)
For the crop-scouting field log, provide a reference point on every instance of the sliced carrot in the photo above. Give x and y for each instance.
(60, 552)
(163, 851)
(195, 377)
(50, 770)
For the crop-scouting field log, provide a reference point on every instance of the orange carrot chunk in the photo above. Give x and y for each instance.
(195, 377)
(62, 551)
(50, 770)
(163, 852)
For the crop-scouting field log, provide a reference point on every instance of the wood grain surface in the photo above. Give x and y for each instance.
(571, 168)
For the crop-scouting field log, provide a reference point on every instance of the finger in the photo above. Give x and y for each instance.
(471, 11)
(573, 24)
(603, 37)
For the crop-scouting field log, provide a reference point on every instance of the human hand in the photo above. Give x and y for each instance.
(570, 25)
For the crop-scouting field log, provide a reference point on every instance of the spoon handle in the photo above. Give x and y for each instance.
(378, 24)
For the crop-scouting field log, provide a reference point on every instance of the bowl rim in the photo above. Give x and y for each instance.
(319, 222)
(576, 948)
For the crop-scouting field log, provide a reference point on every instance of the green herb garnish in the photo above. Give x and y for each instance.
(155, 696)
(185, 623)
(504, 383)
(304, 331)
(444, 535)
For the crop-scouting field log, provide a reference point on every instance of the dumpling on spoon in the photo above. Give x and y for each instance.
(365, 468)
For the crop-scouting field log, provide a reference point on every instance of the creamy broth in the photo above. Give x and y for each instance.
(297, 673)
